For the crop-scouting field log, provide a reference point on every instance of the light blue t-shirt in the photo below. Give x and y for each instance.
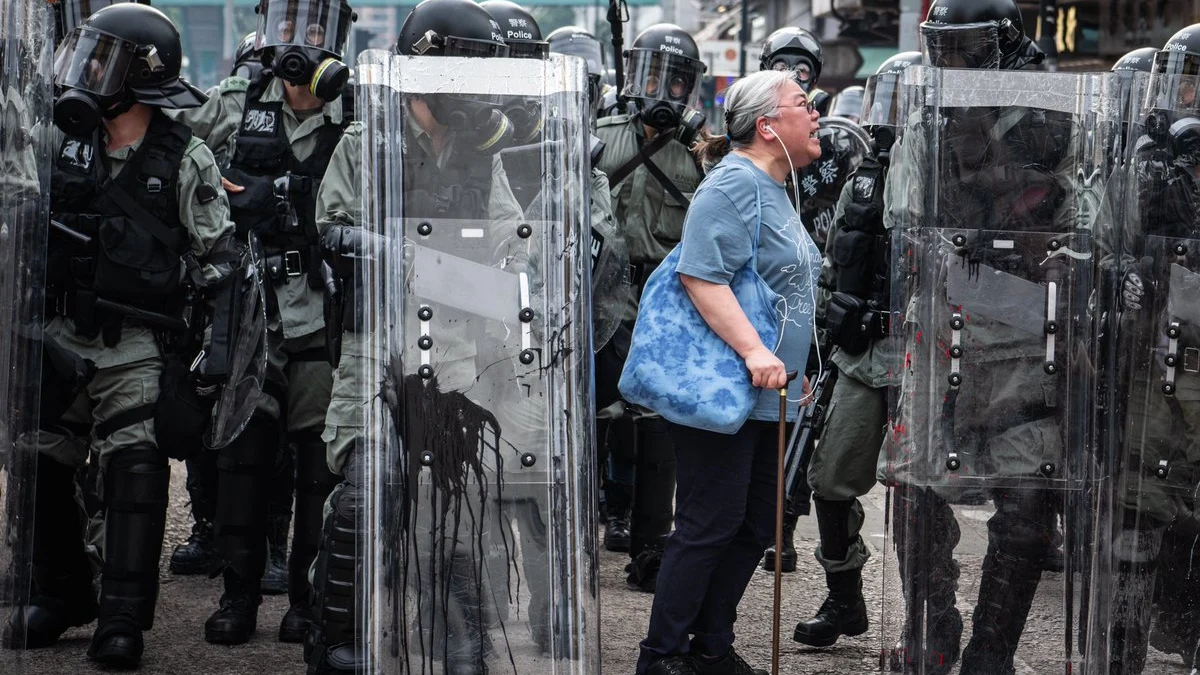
(717, 236)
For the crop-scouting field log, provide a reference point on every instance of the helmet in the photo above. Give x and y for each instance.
(312, 55)
(459, 28)
(521, 31)
(122, 54)
(1136, 61)
(1172, 92)
(881, 98)
(794, 49)
(70, 13)
(848, 103)
(983, 34)
(663, 71)
(450, 28)
(575, 41)
(247, 62)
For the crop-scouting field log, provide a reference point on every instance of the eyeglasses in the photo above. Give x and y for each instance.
(808, 105)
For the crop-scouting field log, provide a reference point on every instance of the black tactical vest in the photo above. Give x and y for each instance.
(111, 253)
(263, 162)
(461, 189)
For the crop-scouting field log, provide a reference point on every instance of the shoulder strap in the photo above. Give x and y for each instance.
(172, 239)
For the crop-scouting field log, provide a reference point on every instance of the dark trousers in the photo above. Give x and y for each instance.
(724, 518)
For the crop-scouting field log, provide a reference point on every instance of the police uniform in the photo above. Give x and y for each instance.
(650, 220)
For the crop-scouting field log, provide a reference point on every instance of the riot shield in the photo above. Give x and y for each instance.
(481, 555)
(991, 458)
(1151, 601)
(243, 335)
(844, 144)
(25, 47)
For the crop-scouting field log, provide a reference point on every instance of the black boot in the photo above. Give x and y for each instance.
(617, 498)
(925, 534)
(279, 521)
(332, 645)
(844, 612)
(314, 482)
(62, 586)
(196, 555)
(137, 481)
(237, 618)
(653, 502)
(788, 559)
(243, 470)
(1018, 537)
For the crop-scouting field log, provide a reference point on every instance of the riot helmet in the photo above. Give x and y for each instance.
(247, 61)
(662, 75)
(575, 41)
(882, 114)
(68, 14)
(848, 103)
(1136, 61)
(123, 54)
(796, 50)
(520, 30)
(302, 41)
(982, 34)
(1172, 95)
(459, 28)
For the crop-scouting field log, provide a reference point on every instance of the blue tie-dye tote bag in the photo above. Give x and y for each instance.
(678, 367)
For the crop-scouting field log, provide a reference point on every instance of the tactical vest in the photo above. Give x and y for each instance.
(280, 200)
(105, 251)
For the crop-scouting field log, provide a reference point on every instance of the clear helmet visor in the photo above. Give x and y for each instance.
(970, 45)
(589, 50)
(95, 62)
(305, 23)
(664, 77)
(881, 101)
(528, 49)
(1173, 92)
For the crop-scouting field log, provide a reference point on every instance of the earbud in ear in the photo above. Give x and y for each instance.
(767, 127)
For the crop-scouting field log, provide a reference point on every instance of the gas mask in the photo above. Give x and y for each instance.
(79, 113)
(324, 75)
(480, 124)
(526, 117)
(800, 66)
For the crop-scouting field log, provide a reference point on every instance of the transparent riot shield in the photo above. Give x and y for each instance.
(1151, 599)
(25, 50)
(844, 144)
(482, 548)
(990, 459)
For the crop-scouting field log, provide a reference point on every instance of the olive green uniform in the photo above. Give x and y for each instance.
(295, 338)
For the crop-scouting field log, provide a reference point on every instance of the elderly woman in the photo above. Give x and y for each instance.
(725, 505)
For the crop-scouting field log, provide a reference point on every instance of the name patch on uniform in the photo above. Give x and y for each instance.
(263, 122)
(76, 153)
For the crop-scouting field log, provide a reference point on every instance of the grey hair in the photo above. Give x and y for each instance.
(754, 96)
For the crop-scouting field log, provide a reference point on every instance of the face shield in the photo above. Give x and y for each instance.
(72, 13)
(96, 62)
(313, 24)
(456, 46)
(971, 45)
(528, 49)
(1173, 105)
(592, 55)
(799, 65)
(882, 113)
(665, 85)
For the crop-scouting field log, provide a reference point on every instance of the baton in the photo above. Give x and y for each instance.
(779, 522)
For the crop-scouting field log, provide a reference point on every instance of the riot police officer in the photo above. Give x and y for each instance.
(652, 175)
(854, 294)
(247, 59)
(848, 104)
(448, 152)
(127, 175)
(1155, 598)
(990, 402)
(797, 50)
(278, 132)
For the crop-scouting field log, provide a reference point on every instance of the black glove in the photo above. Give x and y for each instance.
(342, 245)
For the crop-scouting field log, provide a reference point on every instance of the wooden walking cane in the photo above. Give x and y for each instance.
(779, 478)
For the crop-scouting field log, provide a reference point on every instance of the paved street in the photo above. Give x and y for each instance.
(176, 645)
